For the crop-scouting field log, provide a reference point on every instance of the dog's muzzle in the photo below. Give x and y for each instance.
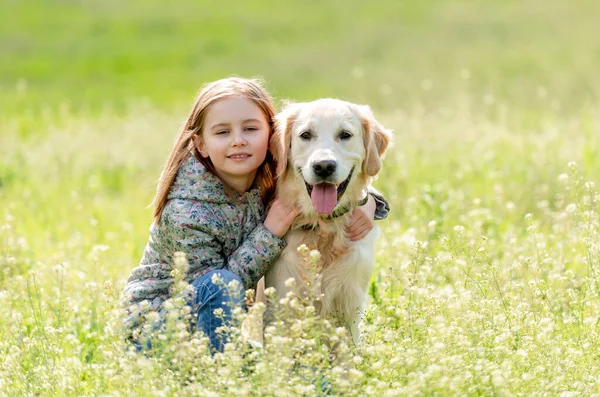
(326, 196)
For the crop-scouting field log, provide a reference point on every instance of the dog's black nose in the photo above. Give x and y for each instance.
(324, 168)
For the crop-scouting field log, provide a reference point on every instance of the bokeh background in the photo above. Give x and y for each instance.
(489, 102)
(97, 55)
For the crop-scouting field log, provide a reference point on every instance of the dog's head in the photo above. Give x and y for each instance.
(329, 146)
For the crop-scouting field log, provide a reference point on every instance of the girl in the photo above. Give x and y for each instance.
(210, 204)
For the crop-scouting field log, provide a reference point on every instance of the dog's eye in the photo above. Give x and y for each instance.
(345, 135)
(306, 135)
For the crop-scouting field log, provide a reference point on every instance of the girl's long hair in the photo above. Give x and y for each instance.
(184, 145)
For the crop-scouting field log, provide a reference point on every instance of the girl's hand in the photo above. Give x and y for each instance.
(280, 217)
(361, 221)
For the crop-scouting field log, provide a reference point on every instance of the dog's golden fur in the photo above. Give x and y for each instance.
(345, 266)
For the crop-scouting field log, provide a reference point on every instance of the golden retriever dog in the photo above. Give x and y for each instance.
(327, 153)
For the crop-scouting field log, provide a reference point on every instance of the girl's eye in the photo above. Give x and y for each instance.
(306, 135)
(251, 128)
(222, 132)
(345, 135)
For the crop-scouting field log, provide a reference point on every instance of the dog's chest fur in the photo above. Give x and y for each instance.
(327, 236)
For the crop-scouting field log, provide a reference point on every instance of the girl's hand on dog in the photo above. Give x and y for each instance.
(280, 217)
(361, 220)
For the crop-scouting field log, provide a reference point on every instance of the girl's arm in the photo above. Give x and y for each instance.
(361, 221)
(249, 261)
(185, 228)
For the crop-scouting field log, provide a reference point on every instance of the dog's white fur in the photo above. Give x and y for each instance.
(345, 266)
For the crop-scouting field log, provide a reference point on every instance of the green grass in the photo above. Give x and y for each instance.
(489, 102)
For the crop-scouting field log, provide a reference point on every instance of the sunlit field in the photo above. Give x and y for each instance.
(487, 277)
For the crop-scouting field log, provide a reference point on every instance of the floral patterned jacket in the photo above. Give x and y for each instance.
(215, 227)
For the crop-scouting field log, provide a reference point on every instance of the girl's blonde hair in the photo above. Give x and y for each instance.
(184, 145)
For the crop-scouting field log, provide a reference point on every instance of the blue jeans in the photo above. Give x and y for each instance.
(209, 297)
(206, 298)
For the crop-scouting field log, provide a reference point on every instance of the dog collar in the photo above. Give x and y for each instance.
(338, 212)
(344, 210)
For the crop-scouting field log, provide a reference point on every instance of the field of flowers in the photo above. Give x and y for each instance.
(487, 277)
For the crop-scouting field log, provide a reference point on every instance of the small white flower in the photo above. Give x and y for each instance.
(571, 208)
(218, 312)
(270, 292)
(354, 373)
(216, 279)
(290, 282)
(270, 330)
(259, 307)
(431, 225)
(100, 248)
(340, 331)
(224, 372)
(315, 255)
(497, 378)
(563, 178)
(234, 285)
(302, 249)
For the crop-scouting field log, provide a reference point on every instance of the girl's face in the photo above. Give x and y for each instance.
(235, 137)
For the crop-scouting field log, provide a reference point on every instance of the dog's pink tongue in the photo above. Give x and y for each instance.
(324, 198)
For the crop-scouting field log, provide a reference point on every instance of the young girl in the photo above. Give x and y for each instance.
(210, 204)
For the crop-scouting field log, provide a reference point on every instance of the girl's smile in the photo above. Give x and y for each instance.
(240, 156)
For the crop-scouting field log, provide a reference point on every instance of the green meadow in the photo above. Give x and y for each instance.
(487, 277)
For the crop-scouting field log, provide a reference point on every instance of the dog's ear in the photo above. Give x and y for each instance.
(376, 139)
(281, 139)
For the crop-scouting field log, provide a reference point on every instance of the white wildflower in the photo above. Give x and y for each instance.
(315, 255)
(270, 292)
(234, 285)
(563, 178)
(218, 312)
(290, 282)
(216, 279)
(459, 229)
(100, 248)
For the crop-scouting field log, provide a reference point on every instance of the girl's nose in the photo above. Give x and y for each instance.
(238, 139)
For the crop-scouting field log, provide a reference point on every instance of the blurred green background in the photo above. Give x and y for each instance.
(92, 55)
